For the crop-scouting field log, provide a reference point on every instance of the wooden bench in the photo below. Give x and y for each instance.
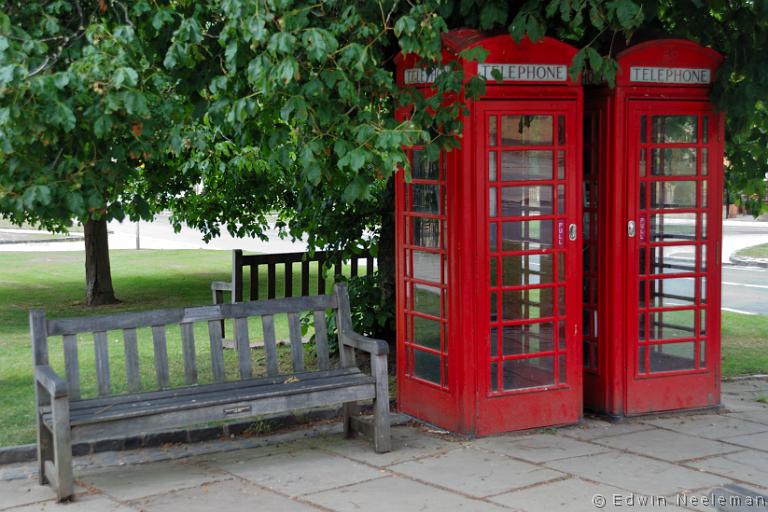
(178, 397)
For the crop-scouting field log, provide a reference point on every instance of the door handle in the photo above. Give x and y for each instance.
(631, 229)
(572, 232)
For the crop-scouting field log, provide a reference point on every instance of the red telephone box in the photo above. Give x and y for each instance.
(488, 247)
(653, 176)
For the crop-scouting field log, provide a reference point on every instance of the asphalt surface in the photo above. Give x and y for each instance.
(745, 290)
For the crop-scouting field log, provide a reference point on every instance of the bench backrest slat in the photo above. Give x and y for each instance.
(217, 351)
(131, 346)
(270, 347)
(72, 365)
(321, 341)
(243, 343)
(297, 349)
(102, 362)
(188, 349)
(161, 356)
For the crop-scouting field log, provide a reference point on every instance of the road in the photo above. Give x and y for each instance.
(745, 290)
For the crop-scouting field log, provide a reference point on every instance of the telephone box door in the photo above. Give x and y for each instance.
(673, 227)
(529, 371)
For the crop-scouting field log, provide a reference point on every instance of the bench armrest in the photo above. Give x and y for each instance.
(372, 346)
(55, 385)
(224, 286)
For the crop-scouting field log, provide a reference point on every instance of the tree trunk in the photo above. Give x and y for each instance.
(386, 259)
(98, 275)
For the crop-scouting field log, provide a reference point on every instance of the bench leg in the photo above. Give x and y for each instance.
(44, 447)
(382, 436)
(62, 450)
(349, 411)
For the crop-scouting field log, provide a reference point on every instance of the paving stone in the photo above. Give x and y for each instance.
(710, 426)
(744, 402)
(576, 495)
(666, 445)
(246, 455)
(755, 415)
(299, 472)
(591, 429)
(538, 447)
(22, 492)
(398, 494)
(744, 386)
(637, 474)
(142, 480)
(478, 473)
(756, 441)
(231, 496)
(85, 503)
(407, 443)
(748, 466)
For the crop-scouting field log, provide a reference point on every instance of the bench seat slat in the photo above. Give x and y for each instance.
(93, 403)
(221, 397)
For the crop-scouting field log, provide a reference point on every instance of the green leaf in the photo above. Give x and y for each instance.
(161, 17)
(102, 126)
(493, 14)
(125, 76)
(577, 64)
(474, 54)
(357, 159)
(595, 60)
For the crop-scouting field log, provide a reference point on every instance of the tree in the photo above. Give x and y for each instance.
(86, 110)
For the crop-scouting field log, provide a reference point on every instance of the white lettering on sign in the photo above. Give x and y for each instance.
(422, 76)
(524, 72)
(670, 75)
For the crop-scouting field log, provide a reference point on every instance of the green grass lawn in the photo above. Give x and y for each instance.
(142, 280)
(163, 279)
(756, 251)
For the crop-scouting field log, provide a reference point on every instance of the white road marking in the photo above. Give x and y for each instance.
(739, 311)
(746, 285)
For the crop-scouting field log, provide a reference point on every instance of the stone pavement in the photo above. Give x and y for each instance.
(652, 463)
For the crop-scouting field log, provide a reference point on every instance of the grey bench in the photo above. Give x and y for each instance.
(64, 416)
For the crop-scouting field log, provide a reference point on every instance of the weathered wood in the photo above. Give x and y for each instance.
(382, 438)
(253, 282)
(297, 348)
(321, 340)
(54, 386)
(217, 352)
(72, 366)
(305, 277)
(39, 333)
(161, 356)
(271, 278)
(288, 276)
(102, 362)
(237, 275)
(243, 347)
(62, 449)
(131, 347)
(270, 346)
(188, 349)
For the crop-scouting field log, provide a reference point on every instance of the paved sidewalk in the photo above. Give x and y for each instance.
(664, 460)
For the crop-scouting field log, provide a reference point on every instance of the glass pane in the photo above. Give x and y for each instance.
(673, 356)
(426, 266)
(673, 129)
(703, 352)
(492, 166)
(673, 194)
(492, 202)
(643, 205)
(561, 199)
(561, 335)
(493, 271)
(426, 299)
(704, 197)
(703, 323)
(494, 342)
(425, 198)
(528, 339)
(527, 304)
(526, 201)
(426, 366)
(561, 165)
(561, 302)
(561, 129)
(673, 227)
(424, 168)
(426, 332)
(526, 235)
(561, 267)
(666, 325)
(526, 130)
(492, 131)
(641, 327)
(494, 377)
(673, 292)
(492, 236)
(704, 161)
(527, 269)
(426, 232)
(494, 310)
(673, 161)
(526, 165)
(643, 129)
(705, 129)
(562, 369)
(703, 226)
(642, 162)
(675, 259)
(528, 373)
